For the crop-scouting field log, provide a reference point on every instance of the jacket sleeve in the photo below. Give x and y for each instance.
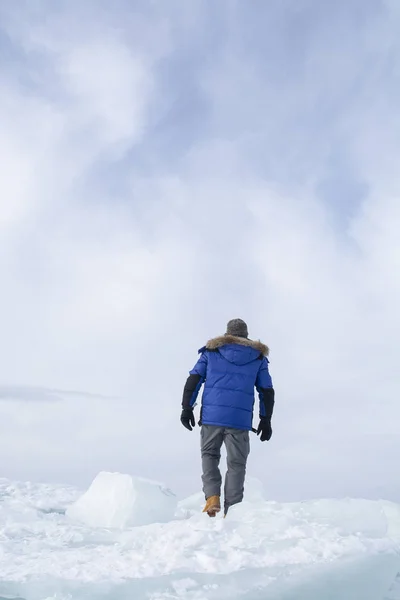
(197, 377)
(266, 392)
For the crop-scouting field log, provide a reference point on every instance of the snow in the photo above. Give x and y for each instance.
(326, 549)
(117, 500)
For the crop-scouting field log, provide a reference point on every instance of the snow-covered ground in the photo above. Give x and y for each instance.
(320, 550)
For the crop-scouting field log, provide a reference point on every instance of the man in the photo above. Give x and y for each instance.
(230, 366)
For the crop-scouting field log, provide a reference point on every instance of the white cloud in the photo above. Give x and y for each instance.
(110, 87)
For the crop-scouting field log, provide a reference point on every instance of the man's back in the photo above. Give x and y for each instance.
(231, 368)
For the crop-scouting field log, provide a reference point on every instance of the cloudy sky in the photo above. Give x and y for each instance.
(166, 166)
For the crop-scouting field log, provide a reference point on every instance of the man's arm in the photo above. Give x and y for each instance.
(196, 378)
(266, 395)
(191, 391)
(267, 402)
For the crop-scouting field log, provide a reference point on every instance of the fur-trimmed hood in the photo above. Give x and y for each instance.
(223, 340)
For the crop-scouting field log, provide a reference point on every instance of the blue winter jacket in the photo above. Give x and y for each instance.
(231, 369)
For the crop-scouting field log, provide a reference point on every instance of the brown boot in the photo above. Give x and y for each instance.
(213, 506)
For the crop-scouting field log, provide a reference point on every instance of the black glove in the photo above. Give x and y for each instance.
(265, 429)
(187, 418)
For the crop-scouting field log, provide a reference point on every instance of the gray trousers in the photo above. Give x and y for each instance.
(237, 445)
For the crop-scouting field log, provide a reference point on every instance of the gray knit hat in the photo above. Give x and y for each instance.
(238, 328)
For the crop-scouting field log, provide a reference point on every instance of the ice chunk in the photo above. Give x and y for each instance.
(116, 500)
(190, 506)
(253, 490)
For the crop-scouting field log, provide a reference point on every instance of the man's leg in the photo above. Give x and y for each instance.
(211, 442)
(237, 444)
